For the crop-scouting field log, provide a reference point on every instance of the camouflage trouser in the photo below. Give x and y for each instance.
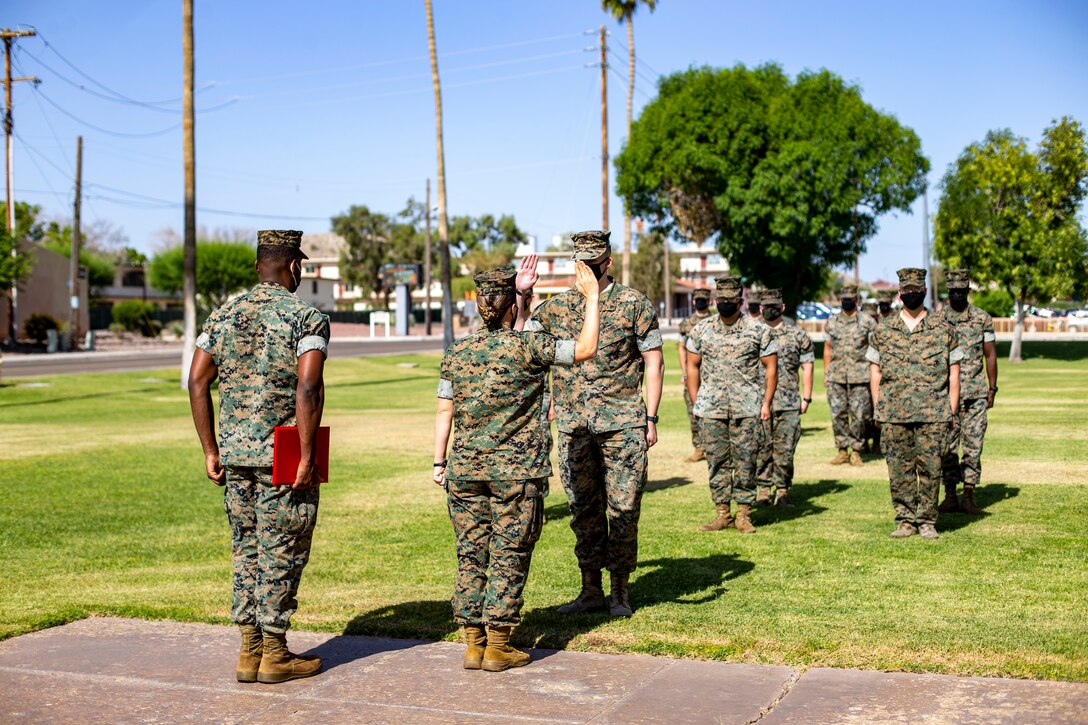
(968, 429)
(604, 475)
(913, 452)
(732, 446)
(780, 436)
(692, 418)
(851, 406)
(497, 524)
(271, 531)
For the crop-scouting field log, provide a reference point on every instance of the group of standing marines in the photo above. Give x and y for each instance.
(601, 345)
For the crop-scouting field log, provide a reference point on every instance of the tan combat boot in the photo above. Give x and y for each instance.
(744, 519)
(763, 496)
(928, 531)
(950, 504)
(249, 659)
(697, 455)
(903, 530)
(843, 457)
(590, 599)
(967, 503)
(723, 521)
(280, 665)
(475, 639)
(619, 605)
(500, 654)
(782, 499)
(855, 459)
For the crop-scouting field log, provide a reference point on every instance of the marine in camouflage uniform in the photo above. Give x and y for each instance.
(846, 376)
(978, 386)
(255, 345)
(701, 300)
(755, 300)
(884, 300)
(604, 427)
(726, 359)
(498, 464)
(915, 379)
(783, 430)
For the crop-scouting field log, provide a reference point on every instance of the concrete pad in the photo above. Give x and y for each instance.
(687, 691)
(854, 696)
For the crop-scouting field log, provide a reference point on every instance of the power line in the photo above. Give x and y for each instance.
(107, 131)
(638, 59)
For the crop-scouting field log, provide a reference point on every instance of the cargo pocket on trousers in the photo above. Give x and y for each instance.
(297, 512)
(532, 514)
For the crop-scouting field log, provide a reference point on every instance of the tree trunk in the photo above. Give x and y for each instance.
(630, 100)
(443, 218)
(1018, 331)
(188, 284)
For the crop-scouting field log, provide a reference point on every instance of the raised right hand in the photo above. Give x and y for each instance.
(585, 281)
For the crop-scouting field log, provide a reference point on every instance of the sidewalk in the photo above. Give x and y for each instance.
(122, 670)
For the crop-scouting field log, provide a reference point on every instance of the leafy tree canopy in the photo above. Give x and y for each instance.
(222, 269)
(28, 229)
(101, 268)
(790, 175)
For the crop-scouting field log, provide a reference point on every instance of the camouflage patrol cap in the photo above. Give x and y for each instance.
(911, 277)
(848, 290)
(700, 293)
(289, 238)
(729, 288)
(885, 295)
(755, 296)
(958, 278)
(772, 296)
(590, 245)
(498, 281)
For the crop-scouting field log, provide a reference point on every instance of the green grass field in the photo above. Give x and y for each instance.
(106, 512)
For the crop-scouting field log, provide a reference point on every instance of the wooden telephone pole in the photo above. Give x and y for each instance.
(73, 263)
(427, 266)
(9, 37)
(188, 276)
(604, 129)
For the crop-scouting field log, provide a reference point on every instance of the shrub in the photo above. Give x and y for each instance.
(997, 302)
(37, 327)
(136, 316)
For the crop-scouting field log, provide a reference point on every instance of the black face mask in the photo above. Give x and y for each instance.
(958, 300)
(728, 309)
(702, 304)
(770, 314)
(912, 300)
(597, 269)
(849, 305)
(885, 307)
(753, 308)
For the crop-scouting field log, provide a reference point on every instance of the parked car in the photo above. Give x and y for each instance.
(813, 311)
(1077, 320)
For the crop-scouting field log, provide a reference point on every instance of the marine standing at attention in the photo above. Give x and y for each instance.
(605, 428)
(846, 376)
(978, 387)
(700, 299)
(267, 348)
(732, 396)
(915, 383)
(491, 393)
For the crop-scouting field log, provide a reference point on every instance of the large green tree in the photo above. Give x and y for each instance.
(1011, 215)
(101, 267)
(484, 242)
(791, 175)
(16, 259)
(222, 270)
(372, 239)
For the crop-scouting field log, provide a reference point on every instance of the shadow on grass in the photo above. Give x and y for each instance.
(66, 399)
(1066, 350)
(361, 383)
(560, 510)
(985, 496)
(802, 495)
(659, 581)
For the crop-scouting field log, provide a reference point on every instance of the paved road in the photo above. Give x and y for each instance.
(124, 670)
(23, 366)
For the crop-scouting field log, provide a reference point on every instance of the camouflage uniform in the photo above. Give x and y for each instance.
(498, 464)
(783, 430)
(686, 327)
(974, 328)
(847, 376)
(731, 391)
(913, 406)
(601, 416)
(255, 341)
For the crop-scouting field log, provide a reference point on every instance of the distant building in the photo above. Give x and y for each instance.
(45, 292)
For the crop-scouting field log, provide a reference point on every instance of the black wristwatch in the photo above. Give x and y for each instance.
(994, 390)
(807, 400)
(441, 464)
(651, 419)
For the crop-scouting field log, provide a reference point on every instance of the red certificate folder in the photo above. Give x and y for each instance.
(287, 452)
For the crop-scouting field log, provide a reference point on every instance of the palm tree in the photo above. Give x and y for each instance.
(623, 11)
(188, 284)
(443, 218)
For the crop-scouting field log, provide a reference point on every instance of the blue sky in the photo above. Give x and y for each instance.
(314, 107)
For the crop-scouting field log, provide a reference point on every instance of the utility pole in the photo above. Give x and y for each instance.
(188, 276)
(668, 283)
(427, 265)
(604, 129)
(9, 37)
(73, 263)
(926, 252)
(445, 270)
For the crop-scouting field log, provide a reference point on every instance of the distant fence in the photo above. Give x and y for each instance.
(101, 316)
(362, 317)
(1002, 325)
